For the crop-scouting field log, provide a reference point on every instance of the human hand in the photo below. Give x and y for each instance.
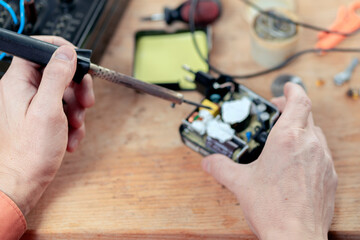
(289, 192)
(36, 128)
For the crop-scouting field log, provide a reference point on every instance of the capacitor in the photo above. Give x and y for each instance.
(265, 119)
(237, 113)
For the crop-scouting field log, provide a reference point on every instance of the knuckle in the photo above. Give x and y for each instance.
(305, 102)
(290, 138)
(52, 117)
(316, 147)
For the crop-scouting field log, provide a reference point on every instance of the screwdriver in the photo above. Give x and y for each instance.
(40, 52)
(207, 11)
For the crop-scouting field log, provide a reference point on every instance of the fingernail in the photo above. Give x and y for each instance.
(65, 54)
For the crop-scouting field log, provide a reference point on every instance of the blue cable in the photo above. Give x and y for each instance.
(22, 17)
(10, 10)
(13, 15)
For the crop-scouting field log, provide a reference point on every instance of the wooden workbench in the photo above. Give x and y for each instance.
(133, 178)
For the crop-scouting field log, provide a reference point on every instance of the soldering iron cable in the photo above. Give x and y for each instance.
(13, 15)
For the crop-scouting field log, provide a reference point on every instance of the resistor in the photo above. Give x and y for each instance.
(353, 93)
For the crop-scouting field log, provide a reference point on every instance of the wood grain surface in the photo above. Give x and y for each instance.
(133, 178)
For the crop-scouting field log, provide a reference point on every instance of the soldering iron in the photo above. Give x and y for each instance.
(40, 52)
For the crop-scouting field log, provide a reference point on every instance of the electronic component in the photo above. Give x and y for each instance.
(353, 93)
(227, 148)
(86, 24)
(215, 109)
(237, 113)
(241, 128)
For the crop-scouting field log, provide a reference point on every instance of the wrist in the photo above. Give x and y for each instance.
(24, 192)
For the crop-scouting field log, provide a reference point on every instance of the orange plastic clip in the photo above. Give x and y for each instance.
(347, 21)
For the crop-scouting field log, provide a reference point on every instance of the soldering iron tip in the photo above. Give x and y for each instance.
(196, 104)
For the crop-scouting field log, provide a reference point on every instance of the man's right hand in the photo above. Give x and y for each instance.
(35, 127)
(289, 192)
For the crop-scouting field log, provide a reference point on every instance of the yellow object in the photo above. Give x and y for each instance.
(320, 82)
(159, 58)
(215, 109)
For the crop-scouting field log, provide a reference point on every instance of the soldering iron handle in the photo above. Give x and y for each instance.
(39, 52)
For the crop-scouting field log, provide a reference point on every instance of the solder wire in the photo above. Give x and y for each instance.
(270, 70)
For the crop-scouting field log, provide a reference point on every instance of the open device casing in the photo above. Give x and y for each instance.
(248, 141)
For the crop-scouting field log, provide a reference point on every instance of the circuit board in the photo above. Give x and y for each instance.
(247, 136)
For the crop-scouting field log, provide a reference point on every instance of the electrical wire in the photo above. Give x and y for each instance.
(13, 15)
(10, 10)
(301, 24)
(192, 13)
(266, 71)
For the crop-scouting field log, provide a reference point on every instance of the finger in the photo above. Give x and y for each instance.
(28, 72)
(26, 65)
(56, 77)
(58, 41)
(225, 171)
(279, 103)
(74, 111)
(84, 92)
(75, 136)
(297, 108)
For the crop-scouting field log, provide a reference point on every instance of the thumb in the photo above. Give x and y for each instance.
(56, 77)
(228, 173)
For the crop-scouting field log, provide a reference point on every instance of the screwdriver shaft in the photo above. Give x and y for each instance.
(155, 17)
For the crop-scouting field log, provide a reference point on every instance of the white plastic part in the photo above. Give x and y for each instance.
(199, 127)
(236, 111)
(219, 130)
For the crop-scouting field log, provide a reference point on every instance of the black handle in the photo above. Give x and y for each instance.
(40, 52)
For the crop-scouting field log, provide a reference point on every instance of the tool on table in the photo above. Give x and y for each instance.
(347, 21)
(207, 12)
(345, 76)
(353, 93)
(277, 87)
(40, 52)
